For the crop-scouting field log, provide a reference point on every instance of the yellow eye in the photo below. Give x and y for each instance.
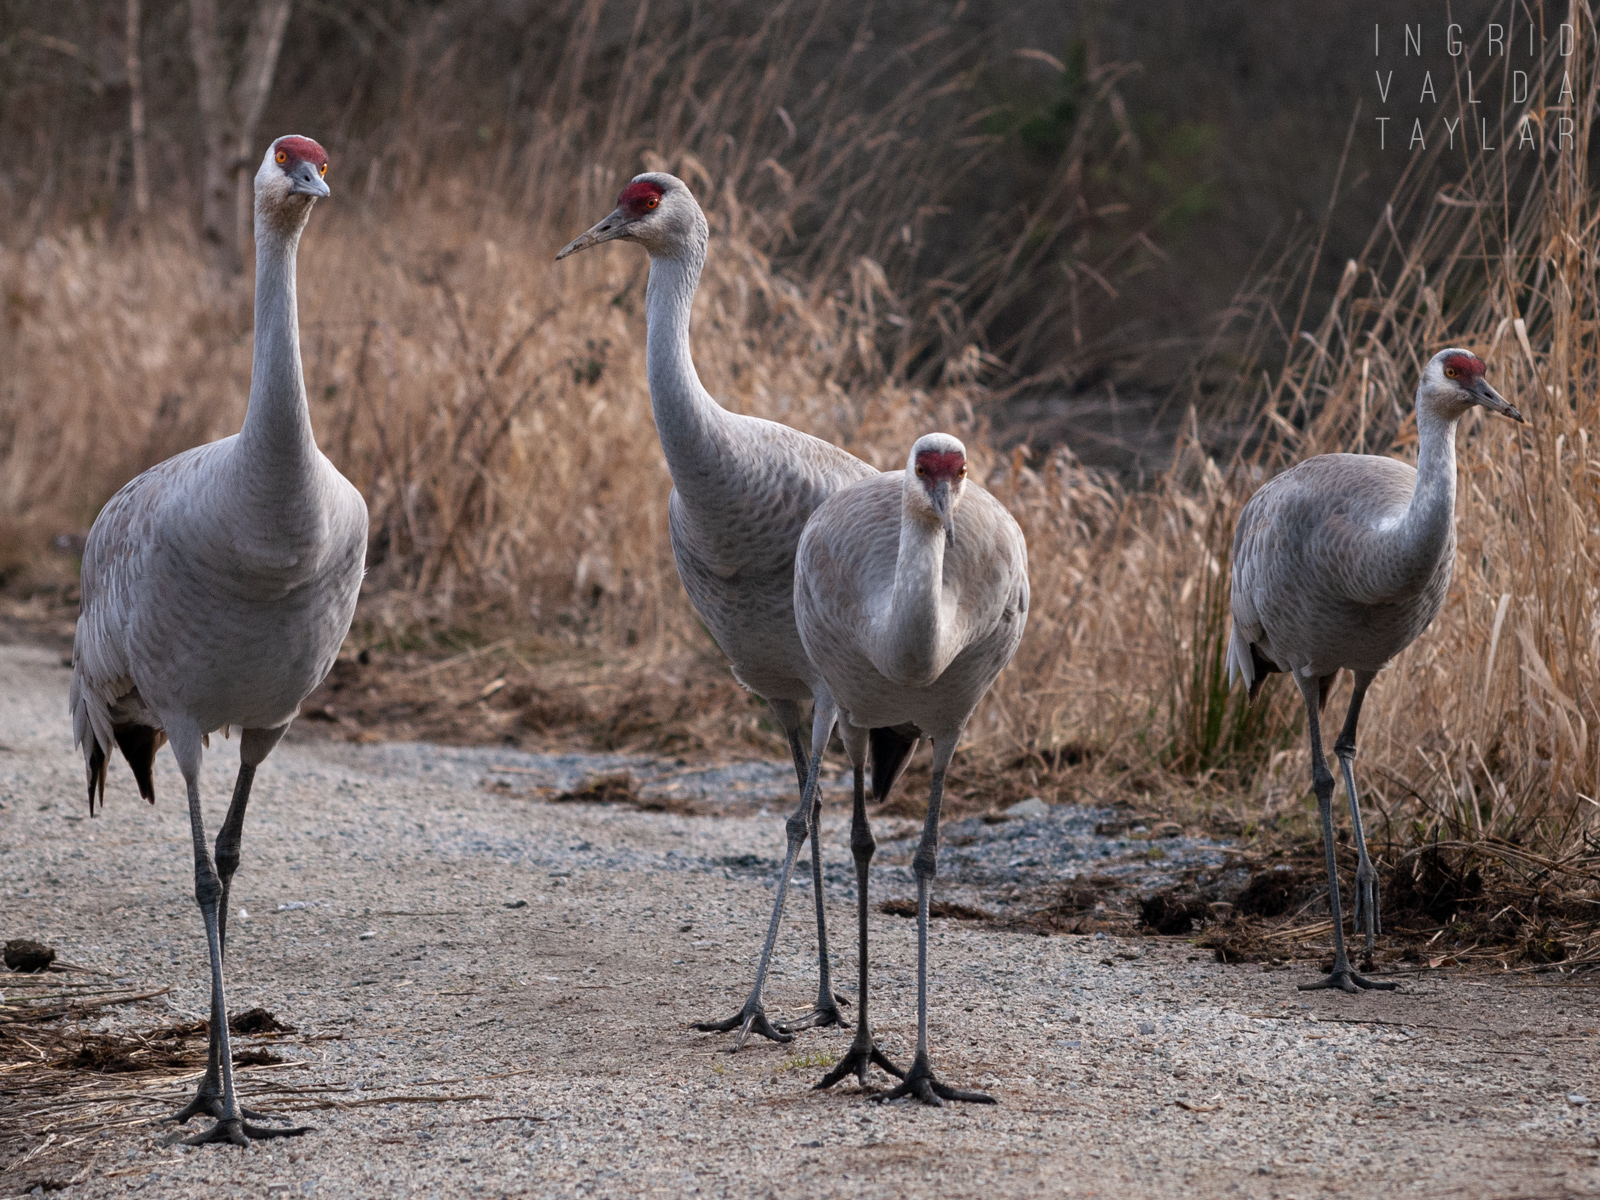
(323, 169)
(1450, 371)
(281, 157)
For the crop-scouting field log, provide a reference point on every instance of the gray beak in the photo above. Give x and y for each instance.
(941, 505)
(305, 181)
(1495, 402)
(613, 226)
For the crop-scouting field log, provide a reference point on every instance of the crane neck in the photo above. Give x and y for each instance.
(913, 643)
(277, 424)
(690, 423)
(1428, 528)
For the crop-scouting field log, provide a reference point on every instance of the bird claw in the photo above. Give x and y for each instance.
(207, 1103)
(752, 1018)
(826, 1013)
(862, 1055)
(1343, 979)
(238, 1132)
(1367, 906)
(920, 1084)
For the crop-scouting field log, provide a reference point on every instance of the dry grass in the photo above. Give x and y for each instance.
(493, 408)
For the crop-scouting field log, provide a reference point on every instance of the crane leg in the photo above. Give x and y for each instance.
(1341, 977)
(1367, 914)
(752, 1018)
(223, 1102)
(254, 746)
(920, 1082)
(826, 1012)
(863, 1052)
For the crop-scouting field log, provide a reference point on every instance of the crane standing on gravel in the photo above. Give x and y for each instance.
(911, 594)
(217, 589)
(1340, 563)
(743, 488)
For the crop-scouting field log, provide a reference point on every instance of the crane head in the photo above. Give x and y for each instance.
(291, 179)
(1453, 381)
(655, 209)
(936, 475)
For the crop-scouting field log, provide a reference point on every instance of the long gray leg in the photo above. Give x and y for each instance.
(752, 1018)
(1341, 977)
(826, 1011)
(1366, 912)
(231, 1125)
(863, 1052)
(920, 1081)
(254, 745)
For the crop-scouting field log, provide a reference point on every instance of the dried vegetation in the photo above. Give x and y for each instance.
(492, 406)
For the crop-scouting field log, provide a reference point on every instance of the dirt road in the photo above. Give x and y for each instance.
(492, 996)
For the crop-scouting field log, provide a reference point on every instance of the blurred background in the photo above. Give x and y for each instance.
(1139, 256)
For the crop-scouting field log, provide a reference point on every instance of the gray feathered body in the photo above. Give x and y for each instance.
(212, 592)
(1333, 566)
(844, 605)
(735, 528)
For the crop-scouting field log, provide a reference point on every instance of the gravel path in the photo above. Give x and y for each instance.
(433, 939)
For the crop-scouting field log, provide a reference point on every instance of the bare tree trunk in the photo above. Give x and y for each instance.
(229, 115)
(141, 180)
(250, 92)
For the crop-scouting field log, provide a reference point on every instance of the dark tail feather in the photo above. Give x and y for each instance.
(97, 774)
(1261, 668)
(139, 744)
(890, 752)
(1324, 686)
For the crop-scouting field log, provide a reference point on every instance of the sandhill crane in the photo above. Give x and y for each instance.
(1340, 563)
(217, 588)
(742, 491)
(911, 593)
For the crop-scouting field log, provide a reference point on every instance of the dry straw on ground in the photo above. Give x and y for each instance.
(492, 406)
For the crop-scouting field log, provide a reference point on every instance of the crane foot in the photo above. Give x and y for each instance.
(1346, 980)
(862, 1055)
(208, 1103)
(921, 1085)
(242, 1133)
(752, 1018)
(1366, 916)
(826, 1013)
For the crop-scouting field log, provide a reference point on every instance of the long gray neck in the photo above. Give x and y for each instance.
(690, 423)
(911, 642)
(1428, 530)
(277, 425)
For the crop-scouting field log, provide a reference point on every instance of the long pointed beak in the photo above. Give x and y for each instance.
(613, 226)
(305, 181)
(1495, 402)
(941, 505)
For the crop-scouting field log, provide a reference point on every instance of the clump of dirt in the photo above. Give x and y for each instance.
(617, 788)
(255, 1058)
(1436, 884)
(1542, 945)
(22, 954)
(110, 1054)
(937, 909)
(256, 1021)
(1274, 892)
(1174, 911)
